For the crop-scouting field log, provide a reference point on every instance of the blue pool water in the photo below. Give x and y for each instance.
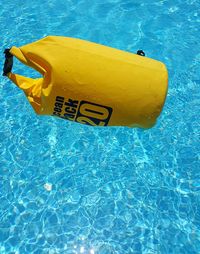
(68, 188)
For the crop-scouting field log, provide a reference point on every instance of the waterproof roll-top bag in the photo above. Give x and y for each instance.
(90, 83)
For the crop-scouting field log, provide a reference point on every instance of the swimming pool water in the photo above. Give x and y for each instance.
(68, 188)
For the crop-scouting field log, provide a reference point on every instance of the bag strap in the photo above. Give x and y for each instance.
(31, 87)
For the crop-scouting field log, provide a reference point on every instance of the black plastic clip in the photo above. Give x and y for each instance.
(8, 62)
(140, 53)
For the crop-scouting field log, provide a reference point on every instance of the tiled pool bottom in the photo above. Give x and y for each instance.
(111, 201)
(69, 188)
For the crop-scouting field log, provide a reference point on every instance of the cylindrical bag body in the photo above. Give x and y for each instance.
(92, 84)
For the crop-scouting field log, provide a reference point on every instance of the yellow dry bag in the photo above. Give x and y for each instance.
(90, 83)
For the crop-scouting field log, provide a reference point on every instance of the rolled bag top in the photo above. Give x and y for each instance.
(92, 84)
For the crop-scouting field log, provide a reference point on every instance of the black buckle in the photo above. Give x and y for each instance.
(140, 53)
(8, 62)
